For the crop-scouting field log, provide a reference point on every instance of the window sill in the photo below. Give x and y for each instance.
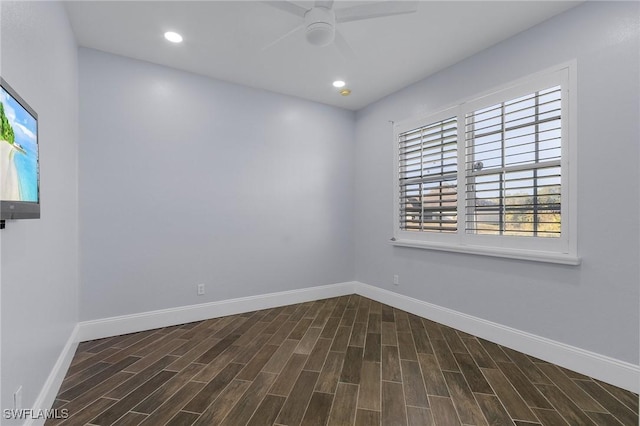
(531, 255)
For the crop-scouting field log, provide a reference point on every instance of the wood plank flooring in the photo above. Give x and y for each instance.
(341, 361)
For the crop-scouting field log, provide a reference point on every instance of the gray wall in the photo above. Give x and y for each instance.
(40, 257)
(186, 180)
(593, 306)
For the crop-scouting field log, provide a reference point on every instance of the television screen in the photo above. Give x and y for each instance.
(19, 166)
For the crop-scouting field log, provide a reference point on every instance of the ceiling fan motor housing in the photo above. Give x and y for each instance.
(321, 26)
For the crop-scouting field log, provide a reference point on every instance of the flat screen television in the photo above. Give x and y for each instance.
(19, 162)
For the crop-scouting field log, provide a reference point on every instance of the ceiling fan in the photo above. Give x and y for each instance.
(321, 19)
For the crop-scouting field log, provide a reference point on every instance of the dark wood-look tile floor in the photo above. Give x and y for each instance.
(340, 361)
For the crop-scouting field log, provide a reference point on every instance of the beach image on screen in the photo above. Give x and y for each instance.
(18, 151)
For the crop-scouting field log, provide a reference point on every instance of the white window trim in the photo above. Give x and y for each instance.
(562, 250)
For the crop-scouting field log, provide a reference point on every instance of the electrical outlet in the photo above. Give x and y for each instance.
(396, 280)
(17, 399)
(200, 289)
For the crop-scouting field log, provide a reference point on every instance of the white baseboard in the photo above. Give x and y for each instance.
(51, 386)
(607, 369)
(114, 326)
(610, 370)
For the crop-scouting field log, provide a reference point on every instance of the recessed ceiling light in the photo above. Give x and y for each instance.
(173, 37)
(339, 83)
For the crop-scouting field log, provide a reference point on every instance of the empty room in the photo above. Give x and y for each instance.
(319, 213)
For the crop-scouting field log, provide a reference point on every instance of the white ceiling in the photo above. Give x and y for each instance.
(225, 40)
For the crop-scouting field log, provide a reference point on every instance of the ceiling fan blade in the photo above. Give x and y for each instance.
(288, 6)
(323, 3)
(279, 39)
(343, 47)
(375, 10)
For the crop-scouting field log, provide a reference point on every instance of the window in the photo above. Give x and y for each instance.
(428, 184)
(491, 175)
(513, 166)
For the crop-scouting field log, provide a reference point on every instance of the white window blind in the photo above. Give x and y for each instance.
(513, 166)
(428, 170)
(493, 174)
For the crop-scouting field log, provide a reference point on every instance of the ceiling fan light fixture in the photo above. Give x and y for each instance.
(320, 34)
(321, 26)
